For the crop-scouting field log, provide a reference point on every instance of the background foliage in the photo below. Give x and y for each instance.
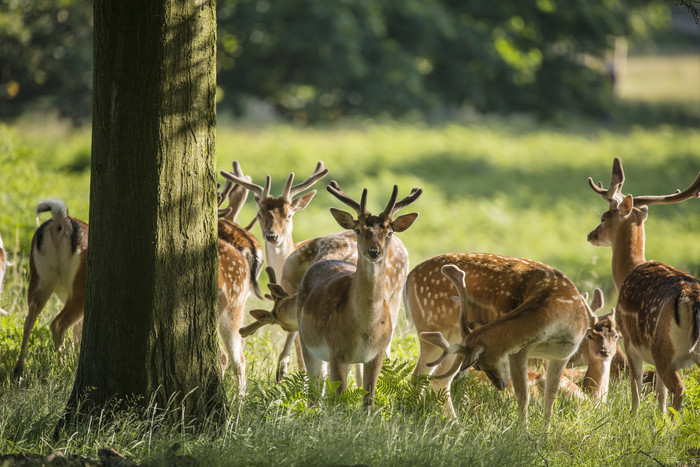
(319, 60)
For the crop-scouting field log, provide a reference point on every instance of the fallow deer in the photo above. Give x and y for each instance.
(3, 271)
(275, 215)
(57, 264)
(658, 308)
(342, 308)
(529, 310)
(240, 262)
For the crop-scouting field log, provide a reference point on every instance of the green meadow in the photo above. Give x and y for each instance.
(507, 185)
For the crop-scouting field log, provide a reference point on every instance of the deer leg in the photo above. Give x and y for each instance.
(71, 313)
(518, 375)
(339, 372)
(555, 368)
(233, 344)
(661, 393)
(37, 296)
(635, 363)
(429, 353)
(358, 374)
(314, 368)
(370, 376)
(300, 354)
(285, 358)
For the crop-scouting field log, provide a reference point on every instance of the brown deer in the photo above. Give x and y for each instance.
(342, 308)
(276, 217)
(529, 310)
(57, 264)
(658, 308)
(3, 271)
(240, 263)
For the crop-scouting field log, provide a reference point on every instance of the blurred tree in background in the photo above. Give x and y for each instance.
(319, 60)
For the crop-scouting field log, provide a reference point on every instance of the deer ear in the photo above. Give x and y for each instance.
(401, 223)
(626, 205)
(302, 201)
(344, 219)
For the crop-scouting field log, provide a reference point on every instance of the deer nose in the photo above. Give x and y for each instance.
(604, 353)
(272, 236)
(373, 252)
(591, 236)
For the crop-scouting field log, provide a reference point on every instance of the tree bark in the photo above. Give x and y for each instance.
(150, 316)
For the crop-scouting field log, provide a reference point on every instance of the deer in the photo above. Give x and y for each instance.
(529, 310)
(240, 263)
(276, 217)
(658, 307)
(57, 265)
(342, 308)
(3, 271)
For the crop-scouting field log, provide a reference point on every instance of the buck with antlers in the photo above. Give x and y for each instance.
(342, 308)
(658, 308)
(275, 215)
(529, 310)
(57, 264)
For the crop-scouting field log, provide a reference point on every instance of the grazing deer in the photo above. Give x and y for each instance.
(57, 264)
(343, 310)
(3, 271)
(658, 308)
(529, 310)
(276, 215)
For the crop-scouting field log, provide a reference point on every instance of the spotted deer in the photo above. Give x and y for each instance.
(3, 271)
(658, 308)
(342, 308)
(57, 264)
(276, 217)
(529, 310)
(240, 262)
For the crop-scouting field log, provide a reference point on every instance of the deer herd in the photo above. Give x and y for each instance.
(338, 298)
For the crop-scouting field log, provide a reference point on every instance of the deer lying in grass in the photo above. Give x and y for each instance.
(3, 271)
(57, 264)
(530, 310)
(342, 308)
(276, 215)
(658, 308)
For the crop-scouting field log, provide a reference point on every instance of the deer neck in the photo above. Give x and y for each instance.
(367, 295)
(277, 254)
(597, 378)
(628, 251)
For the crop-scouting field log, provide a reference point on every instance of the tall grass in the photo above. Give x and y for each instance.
(509, 186)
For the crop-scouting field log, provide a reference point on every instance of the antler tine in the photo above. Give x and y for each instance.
(287, 187)
(693, 191)
(223, 194)
(456, 276)
(271, 275)
(613, 193)
(266, 189)
(389, 210)
(334, 189)
(256, 189)
(411, 198)
(319, 172)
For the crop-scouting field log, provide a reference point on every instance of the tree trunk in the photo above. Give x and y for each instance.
(150, 316)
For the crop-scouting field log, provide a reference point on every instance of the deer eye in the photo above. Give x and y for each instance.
(391, 232)
(357, 231)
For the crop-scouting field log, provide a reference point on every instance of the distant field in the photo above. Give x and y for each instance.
(671, 78)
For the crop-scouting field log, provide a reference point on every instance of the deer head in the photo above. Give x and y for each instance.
(373, 232)
(602, 338)
(275, 213)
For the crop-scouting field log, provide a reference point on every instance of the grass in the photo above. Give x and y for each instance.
(511, 185)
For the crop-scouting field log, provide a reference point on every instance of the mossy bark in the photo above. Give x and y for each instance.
(150, 318)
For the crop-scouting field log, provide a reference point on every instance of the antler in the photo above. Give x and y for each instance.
(360, 208)
(261, 192)
(693, 191)
(393, 206)
(290, 191)
(612, 194)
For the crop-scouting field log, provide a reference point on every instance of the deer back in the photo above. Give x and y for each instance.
(660, 302)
